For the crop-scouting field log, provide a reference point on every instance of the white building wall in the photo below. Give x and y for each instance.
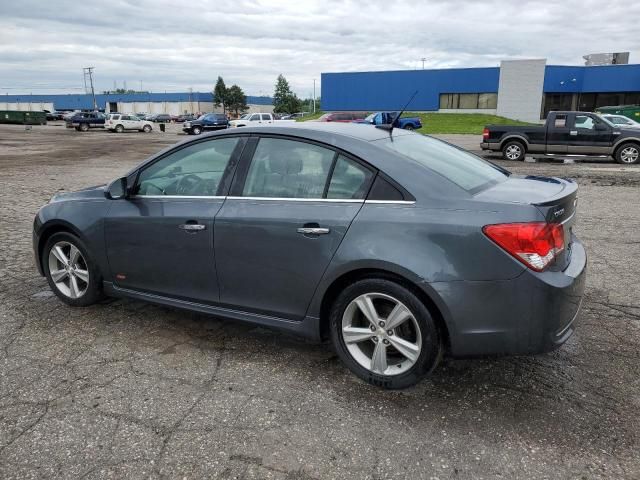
(27, 106)
(520, 89)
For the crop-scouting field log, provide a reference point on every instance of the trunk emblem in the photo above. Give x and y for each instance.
(558, 212)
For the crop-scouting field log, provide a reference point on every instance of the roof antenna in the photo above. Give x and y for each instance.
(389, 126)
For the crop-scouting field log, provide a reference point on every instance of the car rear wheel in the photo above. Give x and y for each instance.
(513, 150)
(196, 130)
(70, 271)
(628, 153)
(384, 334)
(408, 127)
(146, 128)
(84, 127)
(119, 129)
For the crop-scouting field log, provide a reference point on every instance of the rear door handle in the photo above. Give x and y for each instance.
(192, 227)
(313, 230)
(573, 132)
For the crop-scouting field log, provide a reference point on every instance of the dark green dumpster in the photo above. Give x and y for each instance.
(23, 118)
(629, 111)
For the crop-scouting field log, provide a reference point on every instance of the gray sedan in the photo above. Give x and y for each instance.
(396, 247)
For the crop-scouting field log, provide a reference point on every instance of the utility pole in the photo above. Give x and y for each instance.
(88, 72)
(423, 60)
(314, 95)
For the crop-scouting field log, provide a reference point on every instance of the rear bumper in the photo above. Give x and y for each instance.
(489, 146)
(533, 313)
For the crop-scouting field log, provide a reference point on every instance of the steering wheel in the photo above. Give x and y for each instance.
(187, 184)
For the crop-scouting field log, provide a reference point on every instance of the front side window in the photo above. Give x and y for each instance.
(288, 169)
(195, 170)
(585, 122)
(460, 167)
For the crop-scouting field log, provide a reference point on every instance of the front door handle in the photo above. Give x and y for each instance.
(313, 230)
(192, 227)
(573, 132)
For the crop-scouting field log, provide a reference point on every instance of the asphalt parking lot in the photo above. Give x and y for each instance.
(129, 390)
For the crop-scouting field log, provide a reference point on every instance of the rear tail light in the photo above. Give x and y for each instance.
(485, 133)
(535, 244)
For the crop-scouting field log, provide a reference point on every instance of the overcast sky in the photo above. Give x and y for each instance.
(173, 45)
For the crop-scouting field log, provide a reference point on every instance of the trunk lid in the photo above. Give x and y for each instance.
(555, 198)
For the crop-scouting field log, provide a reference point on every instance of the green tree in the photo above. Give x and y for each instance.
(284, 100)
(236, 100)
(220, 93)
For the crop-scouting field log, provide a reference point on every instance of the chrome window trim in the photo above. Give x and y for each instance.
(393, 202)
(204, 197)
(291, 199)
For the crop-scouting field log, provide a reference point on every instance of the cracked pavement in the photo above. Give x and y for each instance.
(125, 389)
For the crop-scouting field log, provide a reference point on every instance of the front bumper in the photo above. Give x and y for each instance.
(532, 313)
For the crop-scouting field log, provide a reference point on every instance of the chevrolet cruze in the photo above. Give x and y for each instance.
(396, 247)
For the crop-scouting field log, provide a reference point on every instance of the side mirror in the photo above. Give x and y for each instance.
(117, 189)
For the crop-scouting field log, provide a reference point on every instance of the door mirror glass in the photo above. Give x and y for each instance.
(117, 189)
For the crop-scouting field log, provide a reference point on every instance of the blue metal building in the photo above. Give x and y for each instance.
(479, 89)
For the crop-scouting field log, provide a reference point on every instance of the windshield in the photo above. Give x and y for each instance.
(245, 116)
(462, 168)
(607, 121)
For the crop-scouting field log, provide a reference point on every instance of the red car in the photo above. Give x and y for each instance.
(346, 117)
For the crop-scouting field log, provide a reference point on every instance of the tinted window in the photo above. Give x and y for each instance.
(349, 180)
(560, 121)
(265, 117)
(585, 122)
(195, 170)
(462, 168)
(288, 169)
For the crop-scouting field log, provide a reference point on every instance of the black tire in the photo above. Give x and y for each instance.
(514, 150)
(408, 127)
(147, 129)
(431, 348)
(628, 153)
(84, 127)
(196, 130)
(119, 129)
(93, 292)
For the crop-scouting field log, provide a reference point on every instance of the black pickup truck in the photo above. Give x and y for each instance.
(83, 121)
(565, 133)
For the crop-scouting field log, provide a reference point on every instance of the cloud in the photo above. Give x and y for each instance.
(166, 45)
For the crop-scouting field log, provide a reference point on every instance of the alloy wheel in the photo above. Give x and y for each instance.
(629, 154)
(68, 269)
(381, 334)
(513, 152)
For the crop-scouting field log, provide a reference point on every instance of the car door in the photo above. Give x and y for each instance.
(283, 221)
(160, 239)
(590, 135)
(559, 134)
(266, 118)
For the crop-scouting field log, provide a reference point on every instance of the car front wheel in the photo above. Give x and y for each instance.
(196, 130)
(384, 334)
(70, 271)
(629, 153)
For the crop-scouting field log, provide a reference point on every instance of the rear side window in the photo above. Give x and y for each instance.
(350, 180)
(560, 121)
(265, 117)
(288, 169)
(460, 167)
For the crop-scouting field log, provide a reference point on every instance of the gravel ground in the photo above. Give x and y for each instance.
(128, 390)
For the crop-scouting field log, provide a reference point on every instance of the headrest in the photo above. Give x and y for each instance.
(277, 164)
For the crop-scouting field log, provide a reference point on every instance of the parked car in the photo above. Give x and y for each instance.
(55, 115)
(256, 119)
(83, 121)
(186, 117)
(117, 122)
(576, 133)
(141, 115)
(208, 121)
(621, 121)
(396, 246)
(386, 118)
(346, 117)
(160, 118)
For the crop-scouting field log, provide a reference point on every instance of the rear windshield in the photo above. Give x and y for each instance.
(462, 168)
